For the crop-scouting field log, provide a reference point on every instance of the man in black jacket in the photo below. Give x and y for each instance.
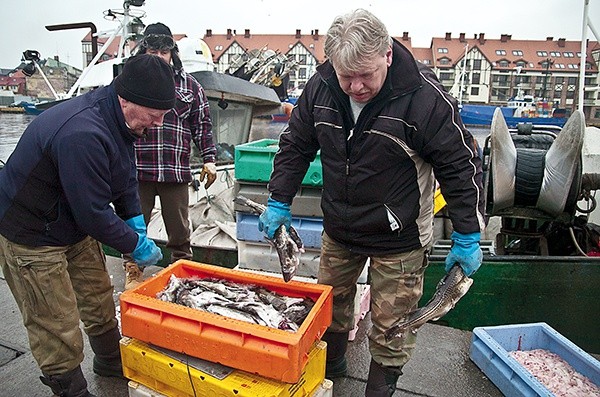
(56, 190)
(386, 130)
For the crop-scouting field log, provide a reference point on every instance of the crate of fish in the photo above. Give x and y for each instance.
(534, 360)
(254, 163)
(174, 374)
(252, 322)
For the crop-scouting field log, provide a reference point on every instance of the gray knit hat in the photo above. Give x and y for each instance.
(147, 80)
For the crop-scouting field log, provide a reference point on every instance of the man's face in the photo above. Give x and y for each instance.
(140, 118)
(164, 54)
(365, 85)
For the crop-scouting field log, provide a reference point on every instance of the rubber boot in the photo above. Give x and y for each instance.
(336, 365)
(134, 275)
(69, 384)
(107, 355)
(382, 380)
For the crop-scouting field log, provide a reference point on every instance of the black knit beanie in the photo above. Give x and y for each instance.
(157, 28)
(147, 80)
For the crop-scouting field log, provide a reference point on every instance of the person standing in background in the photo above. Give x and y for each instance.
(163, 155)
(72, 162)
(386, 130)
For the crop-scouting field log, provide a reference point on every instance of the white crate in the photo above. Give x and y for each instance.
(324, 390)
(139, 390)
(362, 302)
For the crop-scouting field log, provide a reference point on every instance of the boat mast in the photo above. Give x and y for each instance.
(462, 76)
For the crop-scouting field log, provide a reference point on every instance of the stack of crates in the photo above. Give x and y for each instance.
(253, 167)
(173, 350)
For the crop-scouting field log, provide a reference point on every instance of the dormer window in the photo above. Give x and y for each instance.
(443, 50)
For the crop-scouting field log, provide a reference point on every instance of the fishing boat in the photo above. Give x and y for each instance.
(519, 109)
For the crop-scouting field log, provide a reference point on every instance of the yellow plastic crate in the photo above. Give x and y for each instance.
(164, 374)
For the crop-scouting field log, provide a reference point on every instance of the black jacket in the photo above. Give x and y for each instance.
(70, 164)
(378, 186)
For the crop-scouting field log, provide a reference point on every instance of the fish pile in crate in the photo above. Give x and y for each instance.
(184, 334)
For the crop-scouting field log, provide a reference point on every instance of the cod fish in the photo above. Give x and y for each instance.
(453, 286)
(286, 242)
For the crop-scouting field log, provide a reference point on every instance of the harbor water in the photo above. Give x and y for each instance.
(12, 126)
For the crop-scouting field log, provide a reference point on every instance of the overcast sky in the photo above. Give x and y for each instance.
(23, 23)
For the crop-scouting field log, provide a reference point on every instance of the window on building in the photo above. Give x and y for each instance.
(500, 52)
(588, 81)
(555, 54)
(476, 64)
(523, 79)
(475, 78)
(446, 76)
(542, 53)
(474, 90)
(597, 114)
(521, 64)
(502, 94)
(557, 94)
(503, 63)
(572, 80)
(573, 66)
(443, 50)
(568, 54)
(302, 73)
(302, 59)
(444, 61)
(218, 48)
(559, 65)
(426, 62)
(517, 53)
(570, 94)
(559, 79)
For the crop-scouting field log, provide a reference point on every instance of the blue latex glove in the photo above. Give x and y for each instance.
(276, 214)
(137, 224)
(146, 252)
(466, 252)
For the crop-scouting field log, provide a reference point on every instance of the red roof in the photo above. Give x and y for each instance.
(532, 52)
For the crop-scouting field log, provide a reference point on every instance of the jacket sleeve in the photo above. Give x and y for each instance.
(298, 146)
(85, 174)
(452, 151)
(201, 124)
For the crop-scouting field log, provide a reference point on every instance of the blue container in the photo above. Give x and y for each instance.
(309, 229)
(490, 347)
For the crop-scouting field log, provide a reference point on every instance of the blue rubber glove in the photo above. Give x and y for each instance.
(276, 214)
(137, 224)
(466, 252)
(146, 252)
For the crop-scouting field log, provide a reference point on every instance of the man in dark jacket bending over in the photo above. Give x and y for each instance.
(386, 130)
(71, 163)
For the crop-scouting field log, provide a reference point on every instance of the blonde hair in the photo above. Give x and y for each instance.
(354, 38)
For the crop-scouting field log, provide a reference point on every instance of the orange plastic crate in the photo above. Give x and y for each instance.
(269, 352)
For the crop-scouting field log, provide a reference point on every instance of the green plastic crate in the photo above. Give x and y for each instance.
(254, 163)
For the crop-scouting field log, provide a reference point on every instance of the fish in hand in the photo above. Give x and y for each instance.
(451, 288)
(286, 242)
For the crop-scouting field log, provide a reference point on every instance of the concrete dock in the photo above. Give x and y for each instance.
(440, 366)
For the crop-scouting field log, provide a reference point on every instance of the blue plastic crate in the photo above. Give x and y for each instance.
(309, 229)
(490, 347)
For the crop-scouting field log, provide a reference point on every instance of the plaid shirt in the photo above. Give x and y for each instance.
(164, 154)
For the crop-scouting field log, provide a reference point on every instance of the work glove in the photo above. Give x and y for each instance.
(276, 214)
(465, 251)
(146, 252)
(209, 171)
(137, 224)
